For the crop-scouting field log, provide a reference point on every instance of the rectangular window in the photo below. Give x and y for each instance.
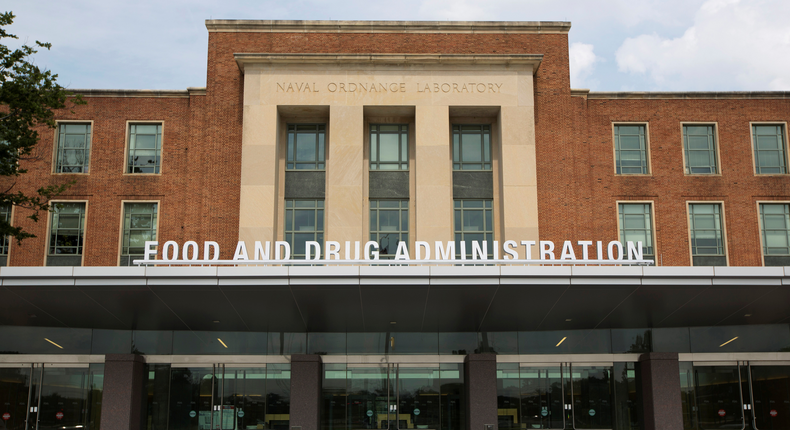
(145, 148)
(707, 234)
(636, 225)
(630, 148)
(5, 215)
(389, 224)
(474, 222)
(389, 147)
(304, 220)
(699, 142)
(769, 149)
(66, 234)
(74, 145)
(471, 147)
(775, 225)
(139, 226)
(306, 149)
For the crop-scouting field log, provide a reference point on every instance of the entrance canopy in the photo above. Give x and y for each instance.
(371, 299)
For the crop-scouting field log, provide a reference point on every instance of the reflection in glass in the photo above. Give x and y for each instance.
(418, 396)
(771, 391)
(590, 390)
(191, 392)
(369, 397)
(508, 396)
(70, 397)
(541, 397)
(14, 392)
(627, 401)
(157, 387)
(452, 398)
(717, 391)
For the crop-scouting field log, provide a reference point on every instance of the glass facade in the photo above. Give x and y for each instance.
(74, 148)
(630, 150)
(471, 147)
(389, 224)
(306, 148)
(145, 148)
(699, 144)
(389, 147)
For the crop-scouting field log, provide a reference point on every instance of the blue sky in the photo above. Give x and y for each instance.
(615, 45)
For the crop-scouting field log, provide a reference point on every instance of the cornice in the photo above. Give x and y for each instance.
(133, 93)
(244, 59)
(469, 27)
(690, 95)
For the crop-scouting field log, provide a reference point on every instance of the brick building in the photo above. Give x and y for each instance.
(434, 140)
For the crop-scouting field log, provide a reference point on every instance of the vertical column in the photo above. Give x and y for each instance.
(660, 380)
(124, 376)
(434, 177)
(480, 387)
(518, 173)
(344, 175)
(305, 391)
(258, 197)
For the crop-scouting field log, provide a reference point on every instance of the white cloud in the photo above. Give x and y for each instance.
(583, 61)
(733, 45)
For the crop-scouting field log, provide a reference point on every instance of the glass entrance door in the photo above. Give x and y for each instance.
(740, 395)
(15, 393)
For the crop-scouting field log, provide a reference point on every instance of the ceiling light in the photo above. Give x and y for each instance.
(216, 321)
(748, 315)
(53, 343)
(736, 337)
(568, 319)
(560, 342)
(223, 343)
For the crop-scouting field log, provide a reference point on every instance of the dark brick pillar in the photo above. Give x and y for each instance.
(124, 376)
(660, 380)
(306, 391)
(480, 387)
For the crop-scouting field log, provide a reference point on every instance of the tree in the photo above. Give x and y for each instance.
(28, 98)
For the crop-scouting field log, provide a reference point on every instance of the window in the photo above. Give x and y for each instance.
(471, 147)
(67, 233)
(304, 220)
(306, 147)
(139, 226)
(769, 149)
(707, 234)
(389, 224)
(775, 225)
(636, 225)
(145, 148)
(74, 144)
(5, 215)
(474, 223)
(699, 142)
(630, 150)
(389, 147)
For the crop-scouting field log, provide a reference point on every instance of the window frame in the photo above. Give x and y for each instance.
(482, 162)
(652, 224)
(400, 231)
(315, 232)
(49, 229)
(716, 152)
(56, 145)
(760, 225)
(127, 147)
(123, 219)
(288, 126)
(485, 232)
(725, 242)
(753, 148)
(403, 132)
(648, 164)
(7, 239)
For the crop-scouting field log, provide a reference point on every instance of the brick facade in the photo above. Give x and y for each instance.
(201, 162)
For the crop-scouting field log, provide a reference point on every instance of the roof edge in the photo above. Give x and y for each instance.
(284, 26)
(244, 59)
(690, 95)
(191, 91)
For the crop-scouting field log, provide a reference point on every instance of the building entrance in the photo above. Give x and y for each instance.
(740, 395)
(44, 397)
(393, 396)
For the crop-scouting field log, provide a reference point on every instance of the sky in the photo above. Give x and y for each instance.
(615, 45)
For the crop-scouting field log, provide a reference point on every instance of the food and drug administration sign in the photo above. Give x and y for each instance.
(461, 252)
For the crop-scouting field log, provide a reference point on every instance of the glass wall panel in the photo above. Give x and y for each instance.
(333, 397)
(191, 391)
(152, 342)
(111, 342)
(452, 397)
(541, 397)
(70, 397)
(157, 386)
(671, 340)
(219, 342)
(243, 398)
(14, 392)
(278, 396)
(499, 342)
(565, 342)
(508, 396)
(591, 396)
(458, 343)
(44, 340)
(631, 340)
(367, 343)
(326, 343)
(756, 338)
(414, 343)
(418, 396)
(687, 395)
(771, 391)
(627, 399)
(717, 391)
(282, 343)
(370, 397)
